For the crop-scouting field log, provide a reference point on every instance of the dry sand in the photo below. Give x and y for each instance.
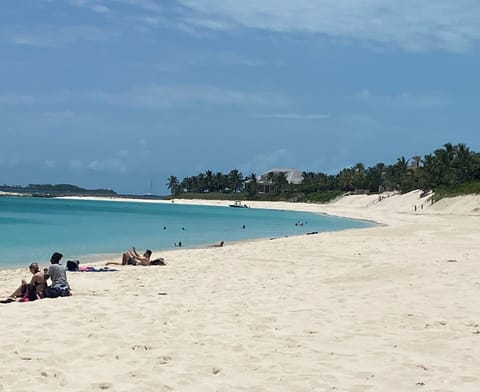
(390, 308)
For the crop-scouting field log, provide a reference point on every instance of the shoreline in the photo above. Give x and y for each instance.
(96, 259)
(389, 308)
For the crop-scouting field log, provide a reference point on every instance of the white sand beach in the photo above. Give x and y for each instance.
(390, 308)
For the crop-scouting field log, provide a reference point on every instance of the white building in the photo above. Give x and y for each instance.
(265, 183)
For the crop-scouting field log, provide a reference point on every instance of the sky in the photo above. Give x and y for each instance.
(122, 94)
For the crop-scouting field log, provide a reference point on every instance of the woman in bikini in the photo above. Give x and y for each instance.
(37, 283)
(132, 257)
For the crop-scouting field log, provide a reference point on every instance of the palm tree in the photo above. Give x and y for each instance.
(219, 181)
(345, 180)
(359, 176)
(374, 179)
(235, 179)
(416, 161)
(252, 184)
(280, 182)
(174, 185)
(209, 181)
(463, 163)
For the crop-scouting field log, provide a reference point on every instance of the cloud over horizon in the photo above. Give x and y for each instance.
(111, 92)
(148, 97)
(413, 25)
(410, 25)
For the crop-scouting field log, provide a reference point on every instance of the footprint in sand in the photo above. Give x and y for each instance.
(55, 375)
(102, 386)
(422, 367)
(141, 347)
(164, 360)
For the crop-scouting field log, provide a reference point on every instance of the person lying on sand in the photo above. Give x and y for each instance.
(36, 285)
(132, 257)
(219, 245)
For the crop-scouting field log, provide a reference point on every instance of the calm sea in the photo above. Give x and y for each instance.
(31, 229)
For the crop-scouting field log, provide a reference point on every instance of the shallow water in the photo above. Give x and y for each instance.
(31, 229)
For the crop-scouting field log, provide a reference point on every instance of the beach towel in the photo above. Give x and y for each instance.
(93, 269)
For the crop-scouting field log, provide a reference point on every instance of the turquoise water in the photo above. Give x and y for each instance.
(31, 229)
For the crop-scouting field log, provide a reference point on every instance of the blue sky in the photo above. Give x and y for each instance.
(116, 93)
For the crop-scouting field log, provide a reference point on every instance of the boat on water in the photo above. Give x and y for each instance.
(238, 204)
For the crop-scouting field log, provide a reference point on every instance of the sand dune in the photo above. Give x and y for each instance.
(390, 308)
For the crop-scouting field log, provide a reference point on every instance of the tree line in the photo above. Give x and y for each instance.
(56, 190)
(447, 167)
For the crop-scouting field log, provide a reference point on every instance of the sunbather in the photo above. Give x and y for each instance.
(132, 257)
(37, 283)
(219, 245)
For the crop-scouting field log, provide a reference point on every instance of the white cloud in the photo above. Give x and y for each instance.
(13, 162)
(405, 100)
(211, 24)
(17, 99)
(23, 99)
(293, 116)
(51, 36)
(148, 97)
(112, 165)
(147, 5)
(93, 5)
(61, 115)
(122, 153)
(50, 164)
(99, 8)
(231, 59)
(75, 164)
(413, 25)
(168, 96)
(267, 160)
(108, 165)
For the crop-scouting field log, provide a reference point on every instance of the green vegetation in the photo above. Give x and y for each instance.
(212, 196)
(323, 197)
(55, 190)
(449, 171)
(464, 189)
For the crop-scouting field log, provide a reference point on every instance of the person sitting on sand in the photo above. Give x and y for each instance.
(36, 285)
(58, 275)
(131, 257)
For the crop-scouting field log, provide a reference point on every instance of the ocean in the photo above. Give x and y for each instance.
(31, 229)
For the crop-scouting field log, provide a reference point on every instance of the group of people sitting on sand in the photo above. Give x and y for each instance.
(38, 286)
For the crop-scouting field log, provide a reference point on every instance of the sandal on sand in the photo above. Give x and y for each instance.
(7, 301)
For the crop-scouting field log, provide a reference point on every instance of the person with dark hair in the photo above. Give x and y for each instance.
(141, 259)
(56, 257)
(219, 245)
(132, 257)
(57, 273)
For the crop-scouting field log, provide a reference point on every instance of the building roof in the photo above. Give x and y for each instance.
(293, 176)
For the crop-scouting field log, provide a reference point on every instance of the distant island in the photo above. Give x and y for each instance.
(53, 190)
